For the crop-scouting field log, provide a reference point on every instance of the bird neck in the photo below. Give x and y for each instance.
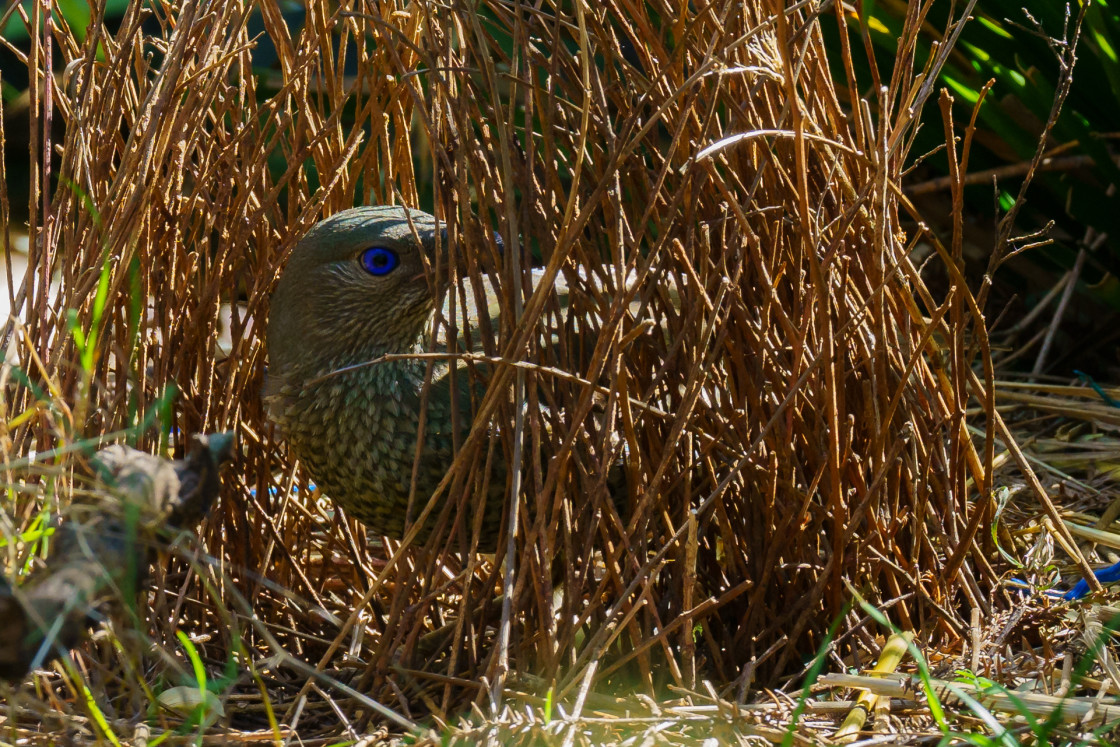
(361, 362)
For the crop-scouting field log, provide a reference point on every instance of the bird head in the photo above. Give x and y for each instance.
(356, 287)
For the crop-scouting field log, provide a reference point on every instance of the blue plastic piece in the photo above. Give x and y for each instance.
(1087, 379)
(1108, 575)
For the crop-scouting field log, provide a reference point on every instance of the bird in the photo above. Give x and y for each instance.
(356, 289)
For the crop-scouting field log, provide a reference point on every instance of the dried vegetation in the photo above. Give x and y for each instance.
(789, 397)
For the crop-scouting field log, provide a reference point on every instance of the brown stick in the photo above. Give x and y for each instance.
(103, 547)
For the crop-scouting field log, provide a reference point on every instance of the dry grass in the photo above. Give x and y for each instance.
(798, 431)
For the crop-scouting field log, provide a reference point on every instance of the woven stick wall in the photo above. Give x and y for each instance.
(762, 357)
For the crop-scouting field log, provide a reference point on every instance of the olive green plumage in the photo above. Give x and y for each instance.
(355, 431)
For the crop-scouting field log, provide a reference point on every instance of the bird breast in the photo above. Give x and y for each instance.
(355, 433)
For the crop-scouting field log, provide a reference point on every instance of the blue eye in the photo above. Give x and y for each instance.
(378, 260)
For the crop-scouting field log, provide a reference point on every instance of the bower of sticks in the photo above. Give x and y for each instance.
(786, 393)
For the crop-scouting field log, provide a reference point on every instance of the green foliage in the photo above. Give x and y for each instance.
(75, 13)
(1017, 50)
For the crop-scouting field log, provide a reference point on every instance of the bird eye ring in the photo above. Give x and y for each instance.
(379, 261)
